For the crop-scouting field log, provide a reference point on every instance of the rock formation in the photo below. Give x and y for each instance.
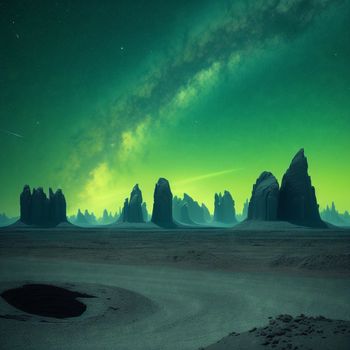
(197, 213)
(263, 204)
(107, 218)
(217, 204)
(297, 198)
(334, 217)
(36, 209)
(194, 209)
(206, 213)
(39, 208)
(90, 218)
(177, 205)
(244, 215)
(81, 219)
(135, 206)
(224, 208)
(5, 220)
(124, 214)
(185, 216)
(57, 207)
(245, 210)
(25, 205)
(162, 204)
(132, 210)
(144, 212)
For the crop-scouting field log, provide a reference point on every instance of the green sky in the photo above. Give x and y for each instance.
(99, 95)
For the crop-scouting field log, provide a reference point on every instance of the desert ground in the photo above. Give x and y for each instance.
(182, 289)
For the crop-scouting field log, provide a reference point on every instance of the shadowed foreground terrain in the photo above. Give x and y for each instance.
(182, 289)
(286, 332)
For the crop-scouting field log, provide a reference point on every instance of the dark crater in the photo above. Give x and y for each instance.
(46, 300)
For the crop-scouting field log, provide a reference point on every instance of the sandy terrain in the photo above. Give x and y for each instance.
(286, 332)
(182, 289)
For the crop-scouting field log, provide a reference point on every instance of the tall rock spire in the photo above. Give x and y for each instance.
(25, 205)
(297, 198)
(135, 206)
(224, 208)
(162, 204)
(263, 204)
